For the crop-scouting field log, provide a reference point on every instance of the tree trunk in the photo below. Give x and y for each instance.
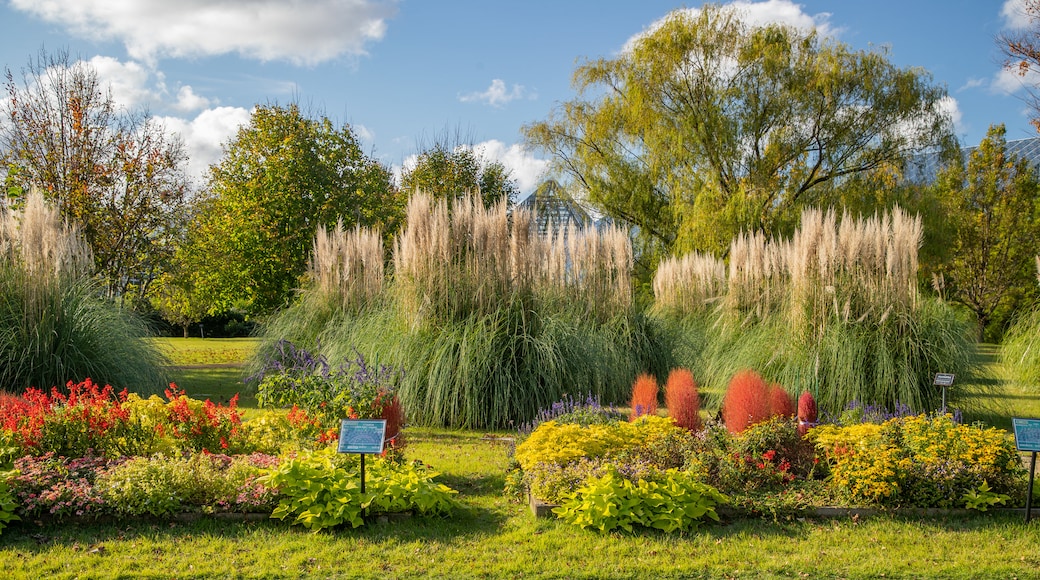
(185, 327)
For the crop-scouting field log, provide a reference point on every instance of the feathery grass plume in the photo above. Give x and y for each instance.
(54, 324)
(644, 397)
(490, 321)
(746, 401)
(348, 264)
(682, 400)
(689, 283)
(780, 402)
(834, 310)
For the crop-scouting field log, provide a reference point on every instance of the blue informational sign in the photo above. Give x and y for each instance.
(361, 435)
(1027, 434)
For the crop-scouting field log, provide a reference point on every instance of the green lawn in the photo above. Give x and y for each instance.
(211, 368)
(492, 537)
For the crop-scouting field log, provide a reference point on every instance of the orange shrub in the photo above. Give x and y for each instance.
(682, 400)
(780, 402)
(807, 412)
(746, 401)
(644, 396)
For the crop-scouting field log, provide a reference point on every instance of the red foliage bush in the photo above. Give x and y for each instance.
(394, 415)
(807, 412)
(780, 402)
(644, 396)
(746, 401)
(682, 400)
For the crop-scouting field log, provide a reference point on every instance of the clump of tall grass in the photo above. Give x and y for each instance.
(1020, 349)
(833, 310)
(54, 324)
(490, 321)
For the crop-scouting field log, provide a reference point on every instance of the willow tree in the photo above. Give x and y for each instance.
(706, 125)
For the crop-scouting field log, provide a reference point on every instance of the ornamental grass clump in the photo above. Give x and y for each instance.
(54, 325)
(490, 321)
(833, 310)
(681, 399)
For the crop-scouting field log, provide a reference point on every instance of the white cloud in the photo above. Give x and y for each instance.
(300, 31)
(1014, 14)
(363, 132)
(952, 109)
(760, 14)
(528, 171)
(1010, 82)
(972, 83)
(204, 135)
(496, 95)
(136, 85)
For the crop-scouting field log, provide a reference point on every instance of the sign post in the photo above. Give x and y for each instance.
(1027, 438)
(361, 436)
(943, 380)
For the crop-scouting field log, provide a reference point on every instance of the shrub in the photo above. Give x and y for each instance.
(918, 461)
(677, 501)
(644, 397)
(780, 403)
(351, 388)
(682, 400)
(807, 412)
(746, 401)
(59, 486)
(553, 442)
(321, 489)
(8, 505)
(767, 456)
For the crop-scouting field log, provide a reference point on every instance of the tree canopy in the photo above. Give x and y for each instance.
(279, 178)
(991, 207)
(707, 125)
(446, 170)
(1021, 50)
(116, 173)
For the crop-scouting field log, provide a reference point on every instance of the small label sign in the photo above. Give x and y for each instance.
(943, 379)
(361, 435)
(1027, 434)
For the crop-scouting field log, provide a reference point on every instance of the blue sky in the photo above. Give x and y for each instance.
(405, 71)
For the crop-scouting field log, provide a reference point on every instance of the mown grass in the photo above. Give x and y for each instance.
(491, 537)
(211, 368)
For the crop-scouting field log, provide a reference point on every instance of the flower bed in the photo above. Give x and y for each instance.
(572, 469)
(87, 452)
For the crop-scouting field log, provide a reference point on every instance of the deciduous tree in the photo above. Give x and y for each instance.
(449, 170)
(707, 125)
(115, 173)
(991, 207)
(279, 178)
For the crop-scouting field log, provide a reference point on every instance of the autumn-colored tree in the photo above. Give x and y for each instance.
(1021, 49)
(280, 177)
(991, 210)
(115, 173)
(707, 125)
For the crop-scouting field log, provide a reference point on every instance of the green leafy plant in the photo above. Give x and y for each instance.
(8, 505)
(677, 502)
(322, 489)
(982, 498)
